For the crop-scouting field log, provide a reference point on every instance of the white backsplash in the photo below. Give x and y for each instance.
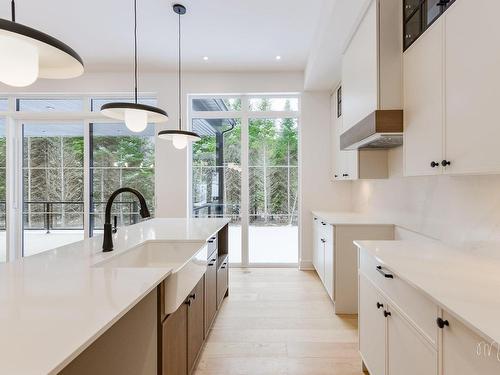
(458, 210)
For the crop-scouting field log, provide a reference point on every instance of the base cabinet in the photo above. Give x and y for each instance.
(222, 281)
(174, 342)
(210, 292)
(195, 323)
(466, 353)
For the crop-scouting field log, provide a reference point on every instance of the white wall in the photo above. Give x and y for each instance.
(318, 192)
(455, 209)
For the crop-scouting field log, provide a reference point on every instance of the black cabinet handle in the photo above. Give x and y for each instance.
(386, 275)
(442, 323)
(387, 313)
(192, 296)
(434, 164)
(336, 176)
(345, 175)
(323, 240)
(315, 218)
(323, 223)
(443, 3)
(379, 305)
(445, 163)
(210, 264)
(223, 267)
(188, 302)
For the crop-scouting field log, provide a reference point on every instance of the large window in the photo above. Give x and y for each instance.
(52, 185)
(246, 168)
(120, 158)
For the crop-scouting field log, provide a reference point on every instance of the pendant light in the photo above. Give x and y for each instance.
(179, 137)
(136, 116)
(28, 54)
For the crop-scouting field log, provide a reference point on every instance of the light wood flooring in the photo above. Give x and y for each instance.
(279, 322)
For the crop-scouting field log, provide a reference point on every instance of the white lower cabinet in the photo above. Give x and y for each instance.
(372, 330)
(466, 353)
(408, 352)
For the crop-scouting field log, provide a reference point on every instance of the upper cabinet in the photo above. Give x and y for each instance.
(451, 80)
(372, 64)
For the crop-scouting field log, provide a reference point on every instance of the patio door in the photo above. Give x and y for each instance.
(246, 168)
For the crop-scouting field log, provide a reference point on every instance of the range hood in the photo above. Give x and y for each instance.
(381, 129)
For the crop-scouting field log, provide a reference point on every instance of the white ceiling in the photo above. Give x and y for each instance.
(236, 35)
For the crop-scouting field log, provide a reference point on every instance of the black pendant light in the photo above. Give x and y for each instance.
(28, 54)
(136, 116)
(179, 137)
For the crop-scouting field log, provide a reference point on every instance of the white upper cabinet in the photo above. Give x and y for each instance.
(360, 71)
(451, 81)
(423, 103)
(472, 82)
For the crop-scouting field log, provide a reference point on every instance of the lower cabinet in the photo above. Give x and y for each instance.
(210, 292)
(466, 353)
(175, 342)
(222, 280)
(195, 323)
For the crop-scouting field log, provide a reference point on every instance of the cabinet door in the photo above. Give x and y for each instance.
(174, 342)
(196, 332)
(315, 243)
(329, 248)
(408, 352)
(321, 251)
(222, 281)
(372, 327)
(466, 353)
(360, 71)
(472, 81)
(210, 292)
(423, 103)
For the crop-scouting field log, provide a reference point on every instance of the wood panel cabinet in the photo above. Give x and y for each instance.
(222, 280)
(210, 292)
(195, 323)
(174, 342)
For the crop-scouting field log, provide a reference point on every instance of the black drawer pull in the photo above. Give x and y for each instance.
(445, 163)
(387, 313)
(323, 240)
(386, 275)
(223, 267)
(442, 323)
(323, 223)
(434, 164)
(379, 305)
(210, 264)
(188, 302)
(192, 296)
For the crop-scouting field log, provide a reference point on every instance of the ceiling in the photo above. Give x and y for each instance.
(236, 35)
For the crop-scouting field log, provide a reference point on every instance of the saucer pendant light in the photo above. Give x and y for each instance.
(179, 137)
(28, 54)
(136, 116)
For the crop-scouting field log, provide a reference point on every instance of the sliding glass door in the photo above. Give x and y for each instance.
(246, 168)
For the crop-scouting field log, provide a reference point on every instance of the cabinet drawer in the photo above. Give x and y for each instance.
(222, 281)
(421, 311)
(212, 244)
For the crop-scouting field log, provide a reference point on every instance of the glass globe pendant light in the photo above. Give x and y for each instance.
(136, 116)
(28, 54)
(180, 138)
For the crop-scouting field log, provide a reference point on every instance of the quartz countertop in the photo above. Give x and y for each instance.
(53, 305)
(350, 218)
(463, 281)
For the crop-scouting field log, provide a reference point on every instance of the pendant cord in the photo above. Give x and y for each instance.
(135, 50)
(13, 10)
(180, 81)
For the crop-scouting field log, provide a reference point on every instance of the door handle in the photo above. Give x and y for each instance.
(386, 275)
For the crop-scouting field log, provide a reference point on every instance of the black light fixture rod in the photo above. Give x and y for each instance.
(13, 10)
(180, 80)
(135, 51)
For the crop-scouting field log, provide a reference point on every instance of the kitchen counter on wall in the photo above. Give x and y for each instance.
(465, 282)
(55, 304)
(350, 218)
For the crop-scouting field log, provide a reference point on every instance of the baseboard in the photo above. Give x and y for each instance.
(306, 265)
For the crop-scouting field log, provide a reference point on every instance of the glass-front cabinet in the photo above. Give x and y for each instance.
(419, 15)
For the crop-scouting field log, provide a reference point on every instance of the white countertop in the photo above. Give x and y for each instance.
(350, 218)
(55, 304)
(464, 282)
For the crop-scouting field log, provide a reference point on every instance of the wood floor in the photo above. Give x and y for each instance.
(279, 321)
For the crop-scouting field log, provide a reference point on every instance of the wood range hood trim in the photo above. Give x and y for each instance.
(381, 129)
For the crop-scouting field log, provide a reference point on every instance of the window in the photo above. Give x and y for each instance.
(254, 184)
(3, 184)
(49, 105)
(339, 102)
(4, 105)
(52, 185)
(120, 158)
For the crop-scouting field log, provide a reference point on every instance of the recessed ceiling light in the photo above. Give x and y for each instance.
(278, 57)
(205, 58)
